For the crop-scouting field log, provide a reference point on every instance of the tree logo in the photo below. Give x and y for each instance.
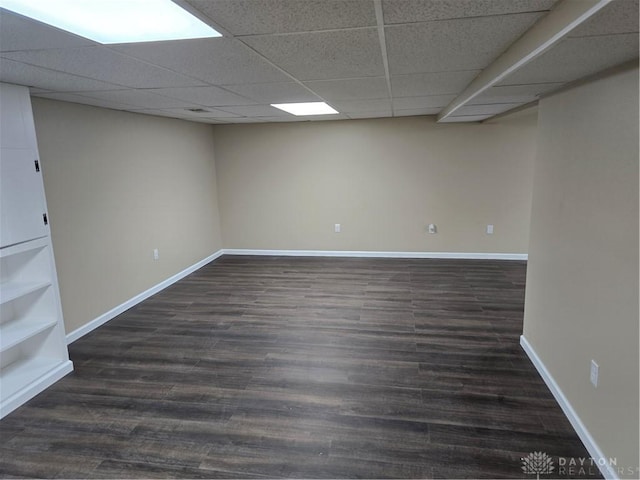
(537, 463)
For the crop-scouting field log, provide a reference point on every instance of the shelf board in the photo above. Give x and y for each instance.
(22, 247)
(22, 373)
(17, 331)
(11, 291)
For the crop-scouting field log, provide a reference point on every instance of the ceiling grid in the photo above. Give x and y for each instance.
(365, 58)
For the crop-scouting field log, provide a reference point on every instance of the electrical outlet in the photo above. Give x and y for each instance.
(156, 254)
(337, 228)
(595, 368)
(432, 228)
(489, 229)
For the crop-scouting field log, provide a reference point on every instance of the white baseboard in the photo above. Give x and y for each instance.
(373, 254)
(590, 444)
(34, 388)
(105, 317)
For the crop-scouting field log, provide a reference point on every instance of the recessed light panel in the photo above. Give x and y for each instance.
(307, 108)
(115, 21)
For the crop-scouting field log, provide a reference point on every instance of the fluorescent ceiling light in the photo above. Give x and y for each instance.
(115, 21)
(307, 108)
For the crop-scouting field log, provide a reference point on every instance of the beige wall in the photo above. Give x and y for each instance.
(119, 185)
(582, 282)
(284, 186)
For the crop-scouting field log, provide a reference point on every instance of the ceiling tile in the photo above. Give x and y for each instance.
(249, 120)
(292, 118)
(250, 17)
(186, 113)
(620, 16)
(212, 121)
(350, 89)
(492, 109)
(138, 98)
(447, 45)
(159, 112)
(411, 11)
(100, 63)
(76, 98)
(20, 33)
(286, 92)
(324, 55)
(219, 61)
(359, 106)
(23, 74)
(207, 96)
(324, 118)
(380, 114)
(431, 101)
(255, 111)
(424, 84)
(412, 112)
(574, 58)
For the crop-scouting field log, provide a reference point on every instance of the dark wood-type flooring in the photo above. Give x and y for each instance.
(301, 367)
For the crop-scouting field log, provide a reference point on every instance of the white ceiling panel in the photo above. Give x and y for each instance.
(360, 106)
(350, 89)
(422, 84)
(100, 63)
(23, 74)
(491, 109)
(293, 118)
(212, 121)
(411, 11)
(620, 16)
(177, 115)
(186, 113)
(207, 96)
(379, 114)
(574, 58)
(310, 50)
(218, 61)
(138, 98)
(412, 112)
(431, 101)
(159, 112)
(274, 92)
(256, 119)
(322, 118)
(448, 45)
(77, 98)
(20, 33)
(324, 55)
(255, 111)
(251, 17)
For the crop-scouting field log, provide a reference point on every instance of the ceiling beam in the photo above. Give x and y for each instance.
(549, 30)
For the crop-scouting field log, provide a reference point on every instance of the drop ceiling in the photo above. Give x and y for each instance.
(365, 58)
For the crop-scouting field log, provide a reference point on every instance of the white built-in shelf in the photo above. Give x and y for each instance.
(15, 376)
(33, 348)
(15, 332)
(13, 291)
